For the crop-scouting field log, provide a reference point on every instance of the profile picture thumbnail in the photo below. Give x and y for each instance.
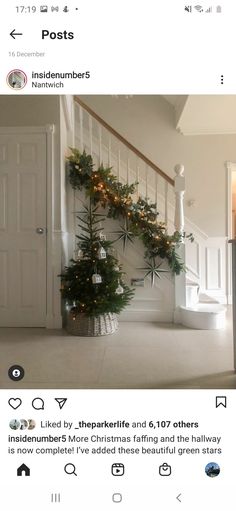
(23, 424)
(31, 424)
(14, 424)
(212, 469)
(16, 79)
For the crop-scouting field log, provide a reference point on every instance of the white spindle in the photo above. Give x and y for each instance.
(81, 128)
(156, 188)
(179, 198)
(109, 151)
(100, 143)
(137, 177)
(166, 202)
(146, 190)
(127, 179)
(118, 167)
(91, 134)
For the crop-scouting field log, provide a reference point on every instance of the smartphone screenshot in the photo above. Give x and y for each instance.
(117, 255)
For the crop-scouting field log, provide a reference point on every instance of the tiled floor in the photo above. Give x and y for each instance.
(139, 355)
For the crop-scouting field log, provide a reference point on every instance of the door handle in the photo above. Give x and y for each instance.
(40, 230)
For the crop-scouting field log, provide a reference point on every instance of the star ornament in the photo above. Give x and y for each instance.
(124, 234)
(153, 270)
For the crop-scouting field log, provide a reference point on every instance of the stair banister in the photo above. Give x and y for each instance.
(123, 140)
(158, 186)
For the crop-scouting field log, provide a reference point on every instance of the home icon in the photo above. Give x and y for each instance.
(23, 469)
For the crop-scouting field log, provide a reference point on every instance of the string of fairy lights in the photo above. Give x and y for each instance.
(140, 217)
(93, 283)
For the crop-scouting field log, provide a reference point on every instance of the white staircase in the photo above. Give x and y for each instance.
(205, 257)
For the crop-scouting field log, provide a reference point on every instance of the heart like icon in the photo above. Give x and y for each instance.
(15, 402)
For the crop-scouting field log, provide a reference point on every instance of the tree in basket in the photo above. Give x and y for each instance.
(92, 285)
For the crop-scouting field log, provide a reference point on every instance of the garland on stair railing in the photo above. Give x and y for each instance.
(140, 218)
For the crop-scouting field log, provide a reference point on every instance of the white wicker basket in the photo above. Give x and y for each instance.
(85, 326)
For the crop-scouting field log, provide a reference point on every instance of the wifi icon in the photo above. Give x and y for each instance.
(198, 8)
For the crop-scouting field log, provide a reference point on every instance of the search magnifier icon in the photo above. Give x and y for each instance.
(70, 469)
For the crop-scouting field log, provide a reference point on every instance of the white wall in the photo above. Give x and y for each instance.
(35, 111)
(148, 123)
(28, 110)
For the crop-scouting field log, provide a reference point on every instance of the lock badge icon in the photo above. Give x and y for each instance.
(165, 469)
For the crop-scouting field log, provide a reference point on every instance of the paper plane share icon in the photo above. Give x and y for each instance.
(61, 401)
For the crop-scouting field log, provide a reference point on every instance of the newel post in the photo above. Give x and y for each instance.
(180, 280)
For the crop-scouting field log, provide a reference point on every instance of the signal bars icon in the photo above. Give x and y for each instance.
(199, 8)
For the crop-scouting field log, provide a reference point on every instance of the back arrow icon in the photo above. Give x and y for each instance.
(13, 33)
(178, 497)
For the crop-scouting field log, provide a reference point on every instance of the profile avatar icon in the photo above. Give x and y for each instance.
(31, 424)
(212, 469)
(23, 424)
(14, 424)
(16, 79)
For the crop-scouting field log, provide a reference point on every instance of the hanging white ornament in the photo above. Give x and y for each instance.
(102, 236)
(96, 278)
(116, 268)
(102, 253)
(79, 253)
(119, 290)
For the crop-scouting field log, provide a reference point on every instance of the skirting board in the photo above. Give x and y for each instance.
(177, 316)
(147, 316)
(54, 322)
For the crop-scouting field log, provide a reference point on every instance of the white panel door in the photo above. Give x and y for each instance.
(22, 215)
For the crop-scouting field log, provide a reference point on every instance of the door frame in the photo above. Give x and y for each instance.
(230, 168)
(53, 221)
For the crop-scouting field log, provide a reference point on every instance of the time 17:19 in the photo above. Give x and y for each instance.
(25, 8)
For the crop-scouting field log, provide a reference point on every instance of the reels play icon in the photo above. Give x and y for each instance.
(117, 469)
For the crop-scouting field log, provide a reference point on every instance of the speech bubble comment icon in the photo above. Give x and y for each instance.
(38, 403)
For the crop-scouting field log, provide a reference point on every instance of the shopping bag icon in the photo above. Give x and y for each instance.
(165, 469)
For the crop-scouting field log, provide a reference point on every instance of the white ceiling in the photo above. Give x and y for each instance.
(204, 114)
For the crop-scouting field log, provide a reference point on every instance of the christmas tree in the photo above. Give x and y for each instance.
(93, 283)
